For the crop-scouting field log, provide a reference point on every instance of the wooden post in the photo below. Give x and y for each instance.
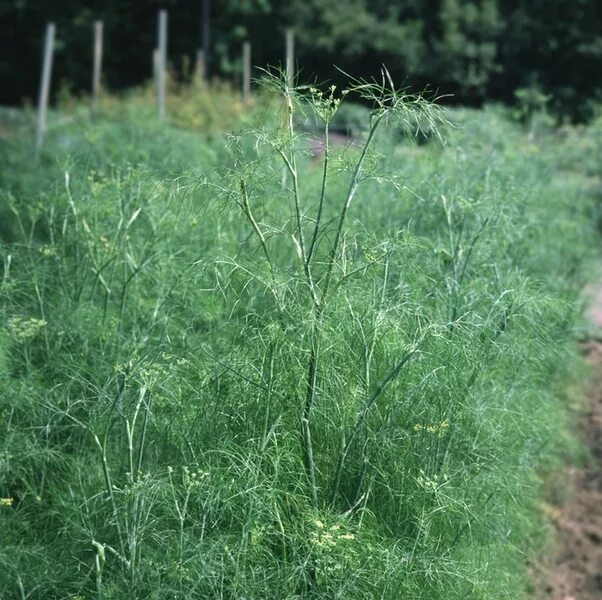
(206, 36)
(290, 57)
(97, 65)
(156, 71)
(45, 86)
(246, 72)
(199, 67)
(162, 60)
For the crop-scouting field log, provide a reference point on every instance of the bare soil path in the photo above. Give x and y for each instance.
(576, 571)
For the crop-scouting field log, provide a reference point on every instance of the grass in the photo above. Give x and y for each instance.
(231, 369)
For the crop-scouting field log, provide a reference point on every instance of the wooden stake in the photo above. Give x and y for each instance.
(199, 67)
(246, 72)
(97, 65)
(206, 35)
(156, 71)
(45, 86)
(162, 66)
(290, 57)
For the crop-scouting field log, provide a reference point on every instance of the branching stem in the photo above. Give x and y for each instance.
(353, 185)
(314, 237)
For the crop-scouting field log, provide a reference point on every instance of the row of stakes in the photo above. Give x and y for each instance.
(159, 70)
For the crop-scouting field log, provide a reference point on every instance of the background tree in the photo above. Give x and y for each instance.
(478, 50)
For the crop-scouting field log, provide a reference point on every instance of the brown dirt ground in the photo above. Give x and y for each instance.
(575, 572)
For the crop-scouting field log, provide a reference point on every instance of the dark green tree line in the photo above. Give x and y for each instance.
(477, 50)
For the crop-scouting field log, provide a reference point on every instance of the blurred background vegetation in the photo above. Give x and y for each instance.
(533, 53)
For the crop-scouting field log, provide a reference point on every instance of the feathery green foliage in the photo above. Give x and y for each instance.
(250, 369)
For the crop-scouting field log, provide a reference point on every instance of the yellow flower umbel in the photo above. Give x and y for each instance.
(327, 536)
(24, 329)
(6, 501)
(438, 429)
(48, 251)
(333, 546)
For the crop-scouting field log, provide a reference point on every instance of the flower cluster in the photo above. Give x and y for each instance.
(24, 329)
(48, 251)
(438, 429)
(190, 478)
(106, 246)
(431, 483)
(326, 537)
(326, 105)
